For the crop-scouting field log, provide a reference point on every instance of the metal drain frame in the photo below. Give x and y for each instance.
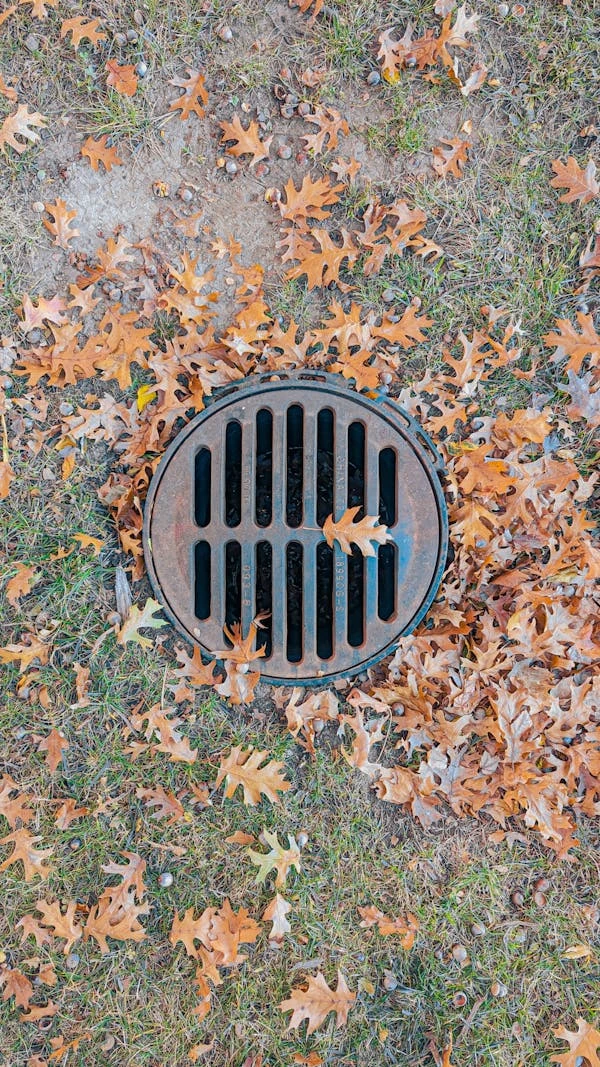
(380, 405)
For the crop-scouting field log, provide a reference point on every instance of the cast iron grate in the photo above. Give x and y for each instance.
(233, 524)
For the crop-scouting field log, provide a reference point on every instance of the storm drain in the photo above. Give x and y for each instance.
(234, 516)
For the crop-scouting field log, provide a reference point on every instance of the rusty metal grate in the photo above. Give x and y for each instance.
(234, 515)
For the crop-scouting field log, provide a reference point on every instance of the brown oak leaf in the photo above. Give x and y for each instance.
(22, 123)
(194, 98)
(243, 767)
(60, 224)
(53, 745)
(581, 185)
(24, 850)
(123, 79)
(247, 142)
(583, 1045)
(81, 29)
(316, 1000)
(449, 160)
(99, 151)
(363, 533)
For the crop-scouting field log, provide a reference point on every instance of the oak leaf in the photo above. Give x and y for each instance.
(275, 913)
(309, 200)
(576, 346)
(123, 79)
(244, 768)
(316, 1000)
(39, 7)
(583, 1045)
(363, 533)
(450, 159)
(16, 985)
(119, 922)
(407, 331)
(53, 745)
(67, 813)
(26, 652)
(14, 808)
(581, 185)
(61, 925)
(25, 851)
(194, 98)
(247, 142)
(20, 584)
(160, 726)
(406, 928)
(99, 151)
(34, 316)
(279, 859)
(330, 125)
(322, 263)
(308, 718)
(23, 123)
(165, 804)
(60, 224)
(81, 29)
(140, 620)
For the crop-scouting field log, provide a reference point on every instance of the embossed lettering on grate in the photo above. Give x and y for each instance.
(234, 516)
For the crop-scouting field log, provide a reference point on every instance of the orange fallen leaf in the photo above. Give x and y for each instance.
(20, 584)
(122, 79)
(53, 745)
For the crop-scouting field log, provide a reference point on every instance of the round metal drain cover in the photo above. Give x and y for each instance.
(234, 516)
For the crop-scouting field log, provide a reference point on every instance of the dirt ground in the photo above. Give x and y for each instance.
(492, 967)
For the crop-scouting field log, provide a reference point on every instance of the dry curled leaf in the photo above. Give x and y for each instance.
(365, 533)
(275, 913)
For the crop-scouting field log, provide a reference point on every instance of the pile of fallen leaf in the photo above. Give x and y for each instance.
(492, 708)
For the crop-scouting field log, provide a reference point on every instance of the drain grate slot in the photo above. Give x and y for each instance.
(295, 599)
(233, 474)
(202, 486)
(295, 466)
(234, 516)
(202, 579)
(356, 598)
(356, 467)
(386, 581)
(233, 583)
(324, 601)
(387, 486)
(264, 468)
(264, 595)
(325, 428)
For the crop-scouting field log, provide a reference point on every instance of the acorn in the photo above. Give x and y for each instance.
(226, 34)
(459, 953)
(165, 879)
